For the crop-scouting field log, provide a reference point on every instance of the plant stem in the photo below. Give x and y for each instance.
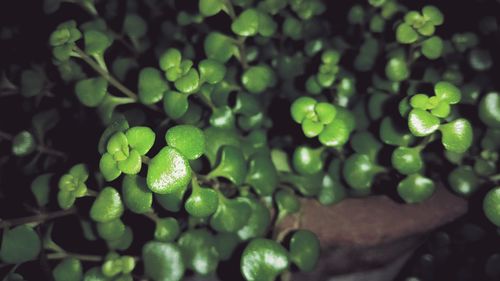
(494, 178)
(62, 255)
(145, 159)
(37, 218)
(106, 75)
(152, 215)
(40, 148)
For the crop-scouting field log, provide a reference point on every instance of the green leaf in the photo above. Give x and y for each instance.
(407, 160)
(65, 199)
(20, 244)
(422, 123)
(312, 128)
(94, 274)
(287, 202)
(163, 261)
(231, 215)
(111, 230)
(262, 175)
(134, 26)
(151, 85)
(247, 23)
(416, 188)
(457, 135)
(23, 144)
(396, 69)
(199, 251)
(187, 139)
(168, 171)
(432, 48)
(364, 142)
(359, 171)
(255, 261)
(258, 222)
(96, 42)
(202, 202)
(210, 8)
(108, 167)
(140, 138)
(166, 230)
(107, 206)
(69, 269)
(91, 91)
(491, 205)
(40, 187)
(447, 92)
(119, 124)
(332, 190)
(302, 108)
(43, 122)
(132, 164)
(257, 79)
(489, 109)
(171, 201)
(304, 250)
(189, 83)
(124, 242)
(219, 47)
(215, 138)
(226, 243)
(136, 195)
(232, 165)
(211, 71)
(335, 134)
(307, 161)
(170, 58)
(405, 34)
(175, 104)
(463, 180)
(32, 82)
(433, 14)
(222, 117)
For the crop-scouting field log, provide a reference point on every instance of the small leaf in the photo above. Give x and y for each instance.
(132, 164)
(211, 71)
(187, 139)
(108, 167)
(175, 104)
(189, 83)
(432, 48)
(416, 188)
(91, 91)
(262, 175)
(32, 82)
(96, 42)
(136, 195)
(491, 205)
(134, 26)
(247, 23)
(166, 230)
(422, 123)
(199, 251)
(219, 47)
(69, 269)
(140, 138)
(304, 250)
(232, 165)
(111, 230)
(40, 187)
(447, 92)
(489, 109)
(151, 85)
(257, 79)
(202, 202)
(258, 222)
(23, 144)
(396, 69)
(405, 34)
(210, 8)
(163, 261)
(231, 215)
(457, 135)
(107, 206)
(20, 244)
(168, 171)
(255, 260)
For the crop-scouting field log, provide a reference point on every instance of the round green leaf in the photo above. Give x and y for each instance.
(231, 215)
(187, 139)
(463, 180)
(111, 230)
(211, 71)
(96, 42)
(447, 92)
(247, 23)
(20, 244)
(491, 205)
(335, 133)
(262, 175)
(131, 165)
(171, 201)
(69, 269)
(457, 135)
(40, 187)
(287, 202)
(170, 58)
(416, 188)
(312, 128)
(91, 91)
(136, 195)
(219, 47)
(134, 26)
(307, 161)
(23, 144)
(175, 104)
(163, 261)
(396, 69)
(304, 250)
(199, 251)
(202, 202)
(210, 7)
(107, 206)
(189, 83)
(433, 14)
(256, 260)
(140, 138)
(432, 48)
(405, 34)
(168, 171)
(257, 79)
(489, 109)
(151, 85)
(422, 123)
(258, 222)
(167, 229)
(407, 160)
(359, 171)
(232, 165)
(108, 167)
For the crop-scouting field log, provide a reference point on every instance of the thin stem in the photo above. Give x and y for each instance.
(152, 216)
(63, 255)
(229, 9)
(494, 178)
(40, 148)
(106, 75)
(145, 159)
(37, 218)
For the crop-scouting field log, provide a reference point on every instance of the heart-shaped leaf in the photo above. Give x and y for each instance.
(140, 138)
(91, 91)
(168, 171)
(20, 244)
(187, 139)
(457, 135)
(304, 250)
(189, 83)
(247, 23)
(255, 261)
(422, 123)
(136, 195)
(107, 206)
(447, 92)
(163, 261)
